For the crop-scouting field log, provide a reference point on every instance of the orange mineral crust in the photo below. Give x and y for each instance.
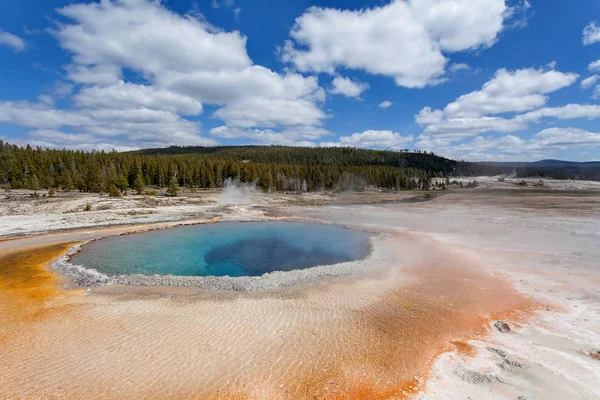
(27, 287)
(368, 337)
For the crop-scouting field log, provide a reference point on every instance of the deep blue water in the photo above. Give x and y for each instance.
(228, 248)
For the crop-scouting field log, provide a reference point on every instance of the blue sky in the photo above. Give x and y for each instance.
(471, 79)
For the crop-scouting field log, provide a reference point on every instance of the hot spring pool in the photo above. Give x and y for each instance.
(227, 248)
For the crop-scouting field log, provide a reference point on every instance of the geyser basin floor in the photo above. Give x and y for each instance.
(226, 249)
(364, 338)
(347, 338)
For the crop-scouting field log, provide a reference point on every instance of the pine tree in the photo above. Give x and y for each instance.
(67, 183)
(121, 182)
(173, 187)
(138, 184)
(35, 184)
(95, 180)
(113, 191)
(319, 180)
(266, 181)
(15, 183)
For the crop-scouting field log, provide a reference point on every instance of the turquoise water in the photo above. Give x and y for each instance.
(228, 248)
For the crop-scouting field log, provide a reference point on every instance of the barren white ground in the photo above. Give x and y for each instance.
(550, 253)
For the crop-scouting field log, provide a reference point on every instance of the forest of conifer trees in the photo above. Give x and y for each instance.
(275, 168)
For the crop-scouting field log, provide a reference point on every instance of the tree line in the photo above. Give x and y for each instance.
(276, 168)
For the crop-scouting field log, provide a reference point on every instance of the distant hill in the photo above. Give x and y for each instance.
(277, 168)
(346, 156)
(314, 156)
(557, 169)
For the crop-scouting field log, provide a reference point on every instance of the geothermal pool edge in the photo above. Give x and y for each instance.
(91, 278)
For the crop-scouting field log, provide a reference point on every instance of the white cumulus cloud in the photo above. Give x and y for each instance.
(591, 34)
(147, 37)
(594, 66)
(382, 139)
(510, 91)
(347, 87)
(564, 138)
(589, 82)
(481, 111)
(130, 128)
(297, 136)
(543, 144)
(186, 56)
(132, 96)
(141, 69)
(11, 40)
(459, 67)
(403, 39)
(102, 74)
(569, 111)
